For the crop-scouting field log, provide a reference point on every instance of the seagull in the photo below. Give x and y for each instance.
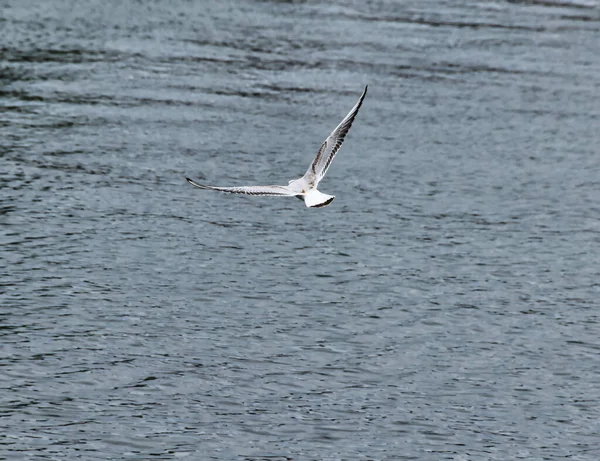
(304, 188)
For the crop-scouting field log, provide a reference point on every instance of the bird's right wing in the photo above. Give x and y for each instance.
(282, 191)
(332, 144)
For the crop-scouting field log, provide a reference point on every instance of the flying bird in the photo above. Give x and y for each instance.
(304, 188)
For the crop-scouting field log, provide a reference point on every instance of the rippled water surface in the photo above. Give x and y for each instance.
(444, 306)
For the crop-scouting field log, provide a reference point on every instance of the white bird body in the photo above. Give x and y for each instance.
(304, 188)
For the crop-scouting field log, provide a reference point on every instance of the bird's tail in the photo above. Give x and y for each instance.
(316, 199)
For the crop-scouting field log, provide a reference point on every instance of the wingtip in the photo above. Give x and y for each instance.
(364, 93)
(192, 182)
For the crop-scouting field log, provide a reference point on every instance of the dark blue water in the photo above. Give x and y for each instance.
(444, 307)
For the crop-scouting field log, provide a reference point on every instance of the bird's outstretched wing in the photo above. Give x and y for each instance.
(250, 190)
(332, 144)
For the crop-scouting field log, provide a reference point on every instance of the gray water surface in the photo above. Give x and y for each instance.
(444, 307)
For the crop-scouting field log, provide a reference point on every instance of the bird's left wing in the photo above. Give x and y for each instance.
(250, 190)
(332, 144)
